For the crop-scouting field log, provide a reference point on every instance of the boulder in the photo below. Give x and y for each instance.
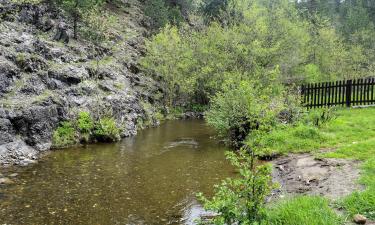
(61, 33)
(69, 74)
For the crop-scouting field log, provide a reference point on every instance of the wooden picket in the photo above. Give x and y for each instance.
(348, 93)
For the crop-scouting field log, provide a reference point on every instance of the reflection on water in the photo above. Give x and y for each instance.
(147, 179)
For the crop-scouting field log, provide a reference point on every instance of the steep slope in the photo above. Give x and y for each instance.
(44, 81)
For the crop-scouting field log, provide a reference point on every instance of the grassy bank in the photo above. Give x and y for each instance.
(351, 135)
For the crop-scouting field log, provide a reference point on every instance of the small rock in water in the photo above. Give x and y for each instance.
(13, 175)
(26, 162)
(359, 219)
(5, 180)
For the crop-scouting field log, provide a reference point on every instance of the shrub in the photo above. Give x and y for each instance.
(239, 109)
(241, 200)
(85, 125)
(65, 135)
(302, 210)
(106, 130)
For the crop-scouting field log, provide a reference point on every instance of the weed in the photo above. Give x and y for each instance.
(64, 135)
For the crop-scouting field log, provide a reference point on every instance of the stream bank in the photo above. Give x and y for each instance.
(45, 81)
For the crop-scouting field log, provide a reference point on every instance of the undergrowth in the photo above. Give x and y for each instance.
(84, 129)
(312, 210)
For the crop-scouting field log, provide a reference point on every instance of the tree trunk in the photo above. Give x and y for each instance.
(75, 36)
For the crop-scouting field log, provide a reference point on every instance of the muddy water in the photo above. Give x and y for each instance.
(149, 179)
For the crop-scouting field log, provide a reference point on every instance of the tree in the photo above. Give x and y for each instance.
(76, 8)
(163, 12)
(98, 29)
(241, 200)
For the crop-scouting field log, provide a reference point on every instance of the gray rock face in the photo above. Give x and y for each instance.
(8, 74)
(45, 80)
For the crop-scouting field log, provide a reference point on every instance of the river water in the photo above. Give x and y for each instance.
(148, 179)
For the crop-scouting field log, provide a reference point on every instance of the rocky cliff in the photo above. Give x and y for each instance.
(44, 79)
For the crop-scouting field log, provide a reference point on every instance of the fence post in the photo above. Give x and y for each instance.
(348, 92)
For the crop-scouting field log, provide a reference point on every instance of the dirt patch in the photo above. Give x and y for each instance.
(303, 174)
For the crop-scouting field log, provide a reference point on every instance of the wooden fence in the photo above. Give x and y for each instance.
(340, 93)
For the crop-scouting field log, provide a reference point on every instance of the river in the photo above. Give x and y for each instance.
(151, 178)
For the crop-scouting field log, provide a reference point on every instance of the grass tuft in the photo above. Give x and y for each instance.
(312, 210)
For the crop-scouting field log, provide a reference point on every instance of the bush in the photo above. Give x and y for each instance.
(238, 110)
(303, 210)
(241, 200)
(65, 135)
(106, 130)
(85, 125)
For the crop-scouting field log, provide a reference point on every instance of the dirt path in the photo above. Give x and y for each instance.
(303, 174)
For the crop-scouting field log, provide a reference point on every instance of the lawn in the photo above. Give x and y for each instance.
(350, 134)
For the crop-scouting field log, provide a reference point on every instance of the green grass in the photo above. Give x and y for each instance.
(351, 135)
(351, 127)
(363, 202)
(303, 210)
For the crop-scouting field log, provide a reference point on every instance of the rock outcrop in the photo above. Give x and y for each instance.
(46, 79)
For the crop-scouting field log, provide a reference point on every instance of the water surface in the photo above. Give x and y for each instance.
(148, 179)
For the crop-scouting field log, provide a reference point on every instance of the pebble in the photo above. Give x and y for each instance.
(359, 219)
(13, 175)
(5, 180)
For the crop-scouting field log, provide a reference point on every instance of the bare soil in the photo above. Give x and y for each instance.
(304, 174)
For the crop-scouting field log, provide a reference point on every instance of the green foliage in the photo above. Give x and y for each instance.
(98, 26)
(85, 125)
(226, 12)
(195, 63)
(99, 29)
(238, 110)
(303, 210)
(161, 13)
(241, 200)
(77, 9)
(65, 135)
(106, 130)
(86, 130)
(320, 116)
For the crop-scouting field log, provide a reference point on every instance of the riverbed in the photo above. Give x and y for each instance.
(151, 178)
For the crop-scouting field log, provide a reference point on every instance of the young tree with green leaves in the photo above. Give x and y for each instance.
(77, 8)
(242, 200)
(98, 29)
